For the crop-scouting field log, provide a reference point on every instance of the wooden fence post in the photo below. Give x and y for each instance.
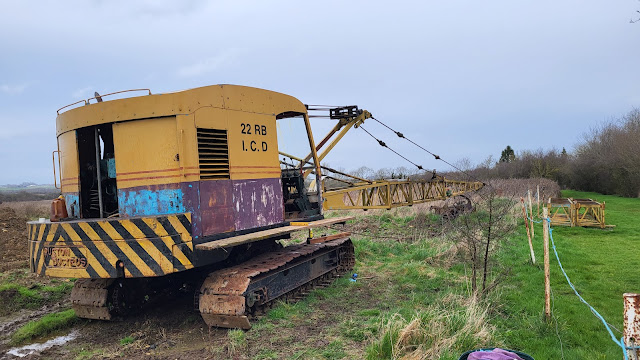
(547, 280)
(538, 199)
(631, 330)
(533, 234)
(526, 224)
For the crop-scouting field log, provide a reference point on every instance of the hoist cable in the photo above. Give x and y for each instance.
(383, 144)
(437, 157)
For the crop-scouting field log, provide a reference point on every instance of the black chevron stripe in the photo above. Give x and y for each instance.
(166, 224)
(115, 249)
(90, 245)
(158, 243)
(139, 250)
(76, 251)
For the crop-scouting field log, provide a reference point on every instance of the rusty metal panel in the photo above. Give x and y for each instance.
(631, 331)
(222, 304)
(226, 321)
(234, 285)
(216, 207)
(257, 203)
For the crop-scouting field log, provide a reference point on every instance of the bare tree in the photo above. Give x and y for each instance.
(482, 233)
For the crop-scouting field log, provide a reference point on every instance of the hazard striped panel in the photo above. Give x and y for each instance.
(109, 248)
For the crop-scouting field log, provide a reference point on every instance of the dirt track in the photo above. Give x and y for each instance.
(14, 252)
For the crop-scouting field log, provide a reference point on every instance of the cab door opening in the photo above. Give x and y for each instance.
(98, 188)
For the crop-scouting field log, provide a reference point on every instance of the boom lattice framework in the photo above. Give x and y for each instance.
(388, 194)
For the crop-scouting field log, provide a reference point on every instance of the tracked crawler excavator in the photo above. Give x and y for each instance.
(163, 190)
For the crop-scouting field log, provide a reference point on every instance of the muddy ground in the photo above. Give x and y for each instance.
(169, 330)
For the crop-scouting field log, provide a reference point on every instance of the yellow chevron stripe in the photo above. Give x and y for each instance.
(111, 232)
(72, 234)
(132, 229)
(52, 232)
(126, 249)
(40, 263)
(106, 252)
(133, 256)
(165, 264)
(40, 231)
(179, 255)
(61, 272)
(30, 255)
(95, 263)
(100, 245)
(184, 234)
(91, 259)
(154, 225)
(93, 236)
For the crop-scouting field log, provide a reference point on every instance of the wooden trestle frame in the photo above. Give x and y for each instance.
(577, 212)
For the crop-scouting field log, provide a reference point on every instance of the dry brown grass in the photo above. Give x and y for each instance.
(518, 187)
(32, 210)
(443, 328)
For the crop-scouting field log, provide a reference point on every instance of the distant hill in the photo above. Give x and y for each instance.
(27, 191)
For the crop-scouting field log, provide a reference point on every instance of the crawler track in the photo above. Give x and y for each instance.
(90, 298)
(230, 297)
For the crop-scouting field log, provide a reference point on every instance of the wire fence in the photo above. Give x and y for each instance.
(618, 342)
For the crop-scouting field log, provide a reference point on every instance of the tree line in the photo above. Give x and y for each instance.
(607, 161)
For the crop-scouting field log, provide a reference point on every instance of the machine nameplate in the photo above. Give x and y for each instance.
(67, 257)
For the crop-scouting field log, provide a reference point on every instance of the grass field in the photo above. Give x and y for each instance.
(411, 300)
(422, 309)
(602, 264)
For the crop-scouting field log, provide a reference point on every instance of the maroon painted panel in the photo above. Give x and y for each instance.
(191, 201)
(257, 203)
(216, 206)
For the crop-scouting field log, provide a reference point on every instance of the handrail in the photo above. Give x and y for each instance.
(88, 101)
(77, 102)
(55, 178)
(117, 92)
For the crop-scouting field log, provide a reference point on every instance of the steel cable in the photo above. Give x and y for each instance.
(435, 156)
(383, 144)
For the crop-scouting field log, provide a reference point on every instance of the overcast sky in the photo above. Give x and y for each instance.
(462, 78)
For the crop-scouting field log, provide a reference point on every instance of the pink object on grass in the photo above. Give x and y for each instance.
(495, 354)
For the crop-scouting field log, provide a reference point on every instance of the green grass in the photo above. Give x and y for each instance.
(14, 297)
(88, 354)
(398, 291)
(602, 264)
(127, 340)
(44, 326)
(237, 342)
(395, 286)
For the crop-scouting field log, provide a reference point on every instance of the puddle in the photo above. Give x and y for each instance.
(33, 348)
